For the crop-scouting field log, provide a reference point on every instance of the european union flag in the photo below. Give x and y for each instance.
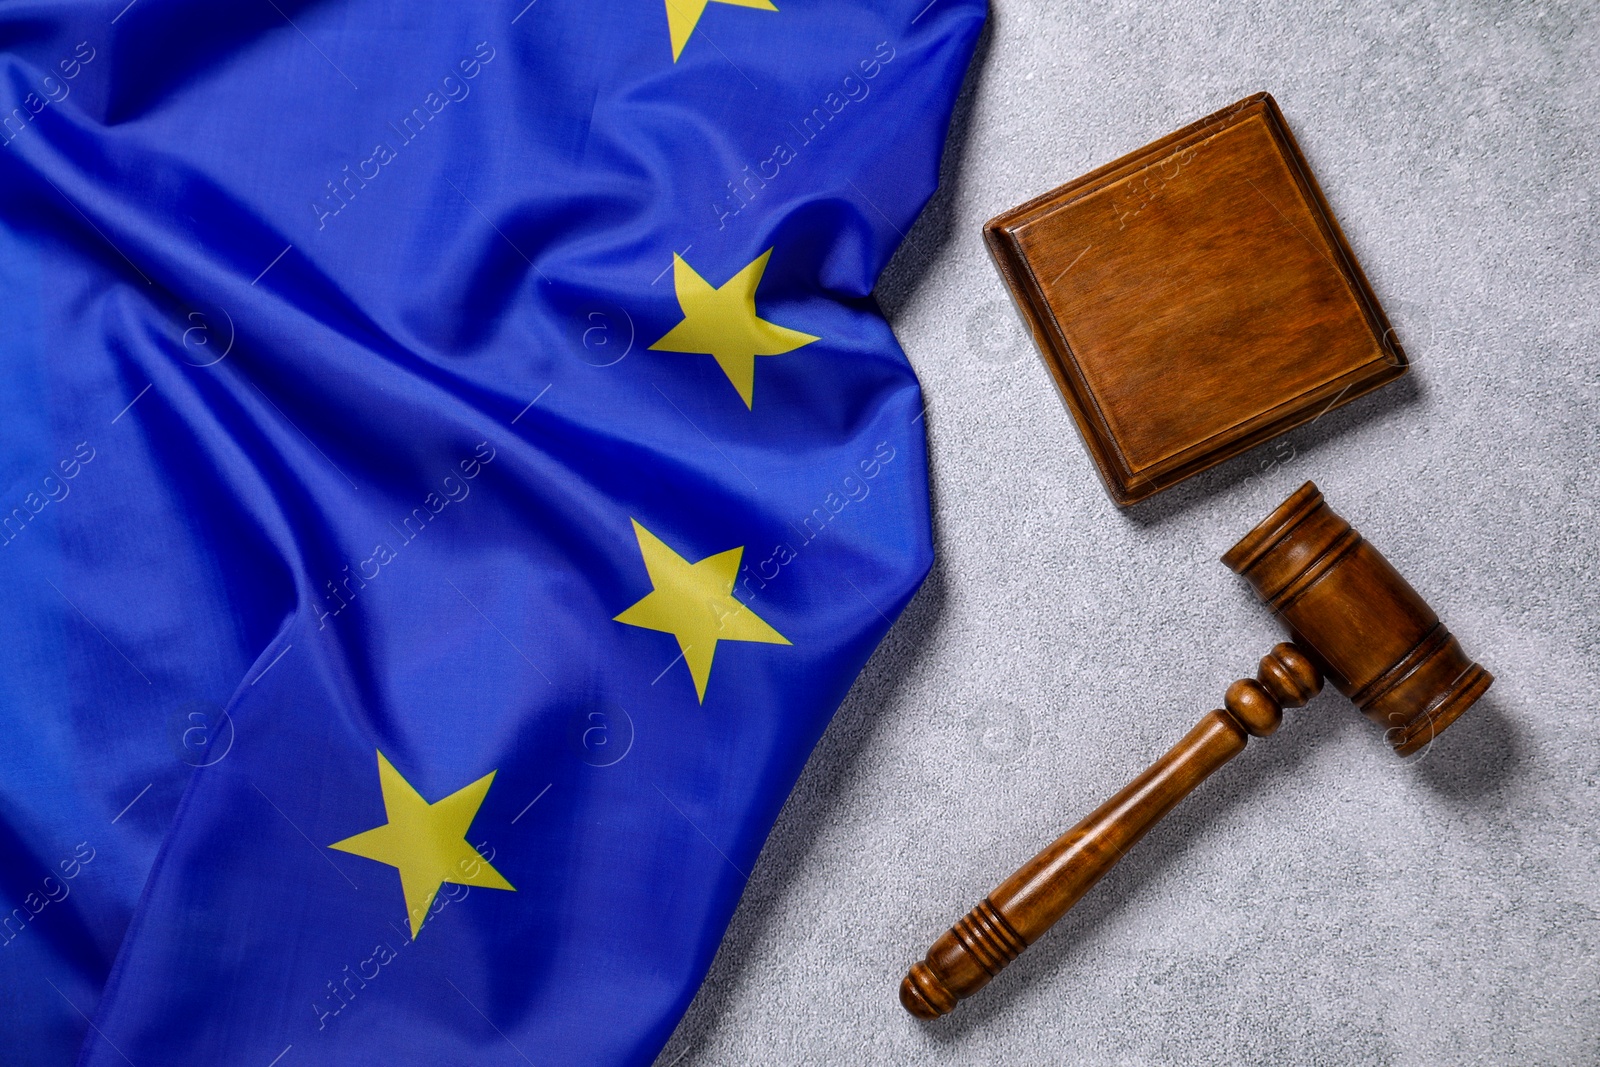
(452, 469)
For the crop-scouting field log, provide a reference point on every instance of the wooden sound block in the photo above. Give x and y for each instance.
(1194, 299)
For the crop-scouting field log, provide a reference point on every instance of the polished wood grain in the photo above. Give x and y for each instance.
(1377, 639)
(1353, 619)
(1194, 299)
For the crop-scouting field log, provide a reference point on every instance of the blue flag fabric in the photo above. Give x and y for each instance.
(453, 468)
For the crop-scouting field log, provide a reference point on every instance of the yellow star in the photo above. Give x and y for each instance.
(684, 15)
(694, 603)
(426, 842)
(722, 322)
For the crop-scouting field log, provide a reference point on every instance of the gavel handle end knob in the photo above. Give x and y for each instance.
(923, 994)
(961, 962)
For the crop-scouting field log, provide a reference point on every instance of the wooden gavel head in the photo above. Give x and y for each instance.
(1353, 619)
(1358, 620)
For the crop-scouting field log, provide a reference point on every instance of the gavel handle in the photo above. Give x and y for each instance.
(1028, 903)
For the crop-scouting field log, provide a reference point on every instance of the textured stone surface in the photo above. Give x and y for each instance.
(1318, 901)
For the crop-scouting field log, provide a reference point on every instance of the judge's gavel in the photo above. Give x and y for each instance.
(1352, 618)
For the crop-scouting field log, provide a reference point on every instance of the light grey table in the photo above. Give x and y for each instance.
(1318, 901)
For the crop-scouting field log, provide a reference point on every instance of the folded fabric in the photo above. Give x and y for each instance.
(453, 468)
